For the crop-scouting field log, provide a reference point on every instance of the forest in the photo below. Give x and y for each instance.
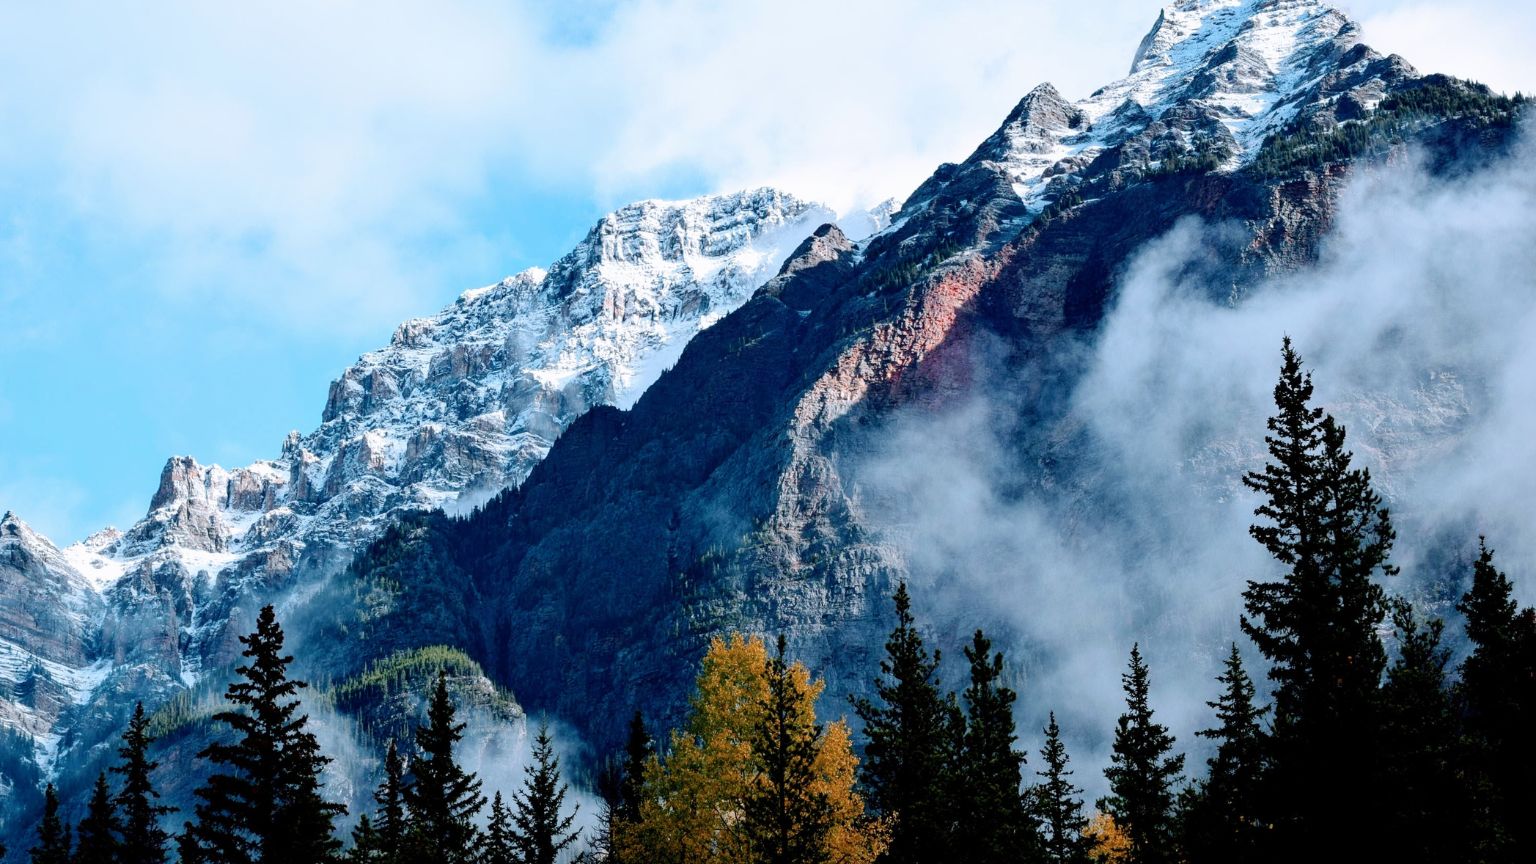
(1359, 740)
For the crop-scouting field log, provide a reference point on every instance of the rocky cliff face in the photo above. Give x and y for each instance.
(727, 497)
(458, 406)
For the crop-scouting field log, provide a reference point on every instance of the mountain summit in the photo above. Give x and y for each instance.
(458, 406)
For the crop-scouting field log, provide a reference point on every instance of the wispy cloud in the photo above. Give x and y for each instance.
(1418, 323)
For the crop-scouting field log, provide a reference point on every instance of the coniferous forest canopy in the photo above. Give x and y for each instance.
(1341, 731)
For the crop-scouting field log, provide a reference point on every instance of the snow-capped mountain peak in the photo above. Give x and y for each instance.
(1212, 79)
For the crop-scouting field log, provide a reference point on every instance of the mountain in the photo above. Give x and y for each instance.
(458, 406)
(736, 494)
(709, 417)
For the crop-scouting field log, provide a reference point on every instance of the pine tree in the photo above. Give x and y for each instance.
(622, 785)
(911, 746)
(994, 822)
(52, 834)
(263, 802)
(1420, 737)
(390, 826)
(543, 830)
(638, 749)
(787, 817)
(500, 846)
(1324, 524)
(1143, 773)
(188, 849)
(1497, 696)
(1055, 805)
(442, 799)
(143, 840)
(96, 836)
(1221, 816)
(365, 843)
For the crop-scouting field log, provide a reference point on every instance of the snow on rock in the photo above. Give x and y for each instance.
(1213, 78)
(457, 406)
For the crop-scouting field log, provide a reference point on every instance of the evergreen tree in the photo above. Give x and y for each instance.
(622, 786)
(1497, 696)
(188, 849)
(96, 837)
(1221, 816)
(638, 750)
(910, 731)
(1056, 806)
(443, 798)
(1143, 773)
(542, 830)
(1324, 524)
(390, 828)
(787, 817)
(1420, 736)
(500, 845)
(263, 802)
(143, 840)
(994, 822)
(365, 843)
(52, 834)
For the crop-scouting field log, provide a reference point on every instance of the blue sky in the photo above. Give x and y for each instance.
(208, 210)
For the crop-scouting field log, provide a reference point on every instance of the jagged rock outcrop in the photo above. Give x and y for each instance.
(46, 635)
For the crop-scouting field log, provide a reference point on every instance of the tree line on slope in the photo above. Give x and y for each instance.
(1353, 756)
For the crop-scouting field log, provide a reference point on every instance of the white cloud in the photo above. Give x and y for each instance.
(1484, 40)
(1419, 323)
(336, 159)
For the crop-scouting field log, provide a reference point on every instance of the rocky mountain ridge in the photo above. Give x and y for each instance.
(458, 406)
(734, 494)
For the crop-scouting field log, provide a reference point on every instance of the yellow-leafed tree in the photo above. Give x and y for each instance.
(693, 809)
(1107, 841)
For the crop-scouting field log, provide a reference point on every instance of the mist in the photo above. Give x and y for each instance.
(1419, 325)
(495, 750)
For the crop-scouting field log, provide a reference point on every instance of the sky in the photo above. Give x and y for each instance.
(207, 211)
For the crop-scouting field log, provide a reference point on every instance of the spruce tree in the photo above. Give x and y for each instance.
(638, 749)
(390, 826)
(994, 822)
(622, 786)
(442, 799)
(52, 834)
(188, 849)
(1222, 820)
(787, 818)
(911, 732)
(500, 846)
(263, 802)
(1324, 524)
(1423, 784)
(143, 840)
(96, 836)
(365, 843)
(543, 830)
(1497, 696)
(1056, 806)
(1143, 773)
